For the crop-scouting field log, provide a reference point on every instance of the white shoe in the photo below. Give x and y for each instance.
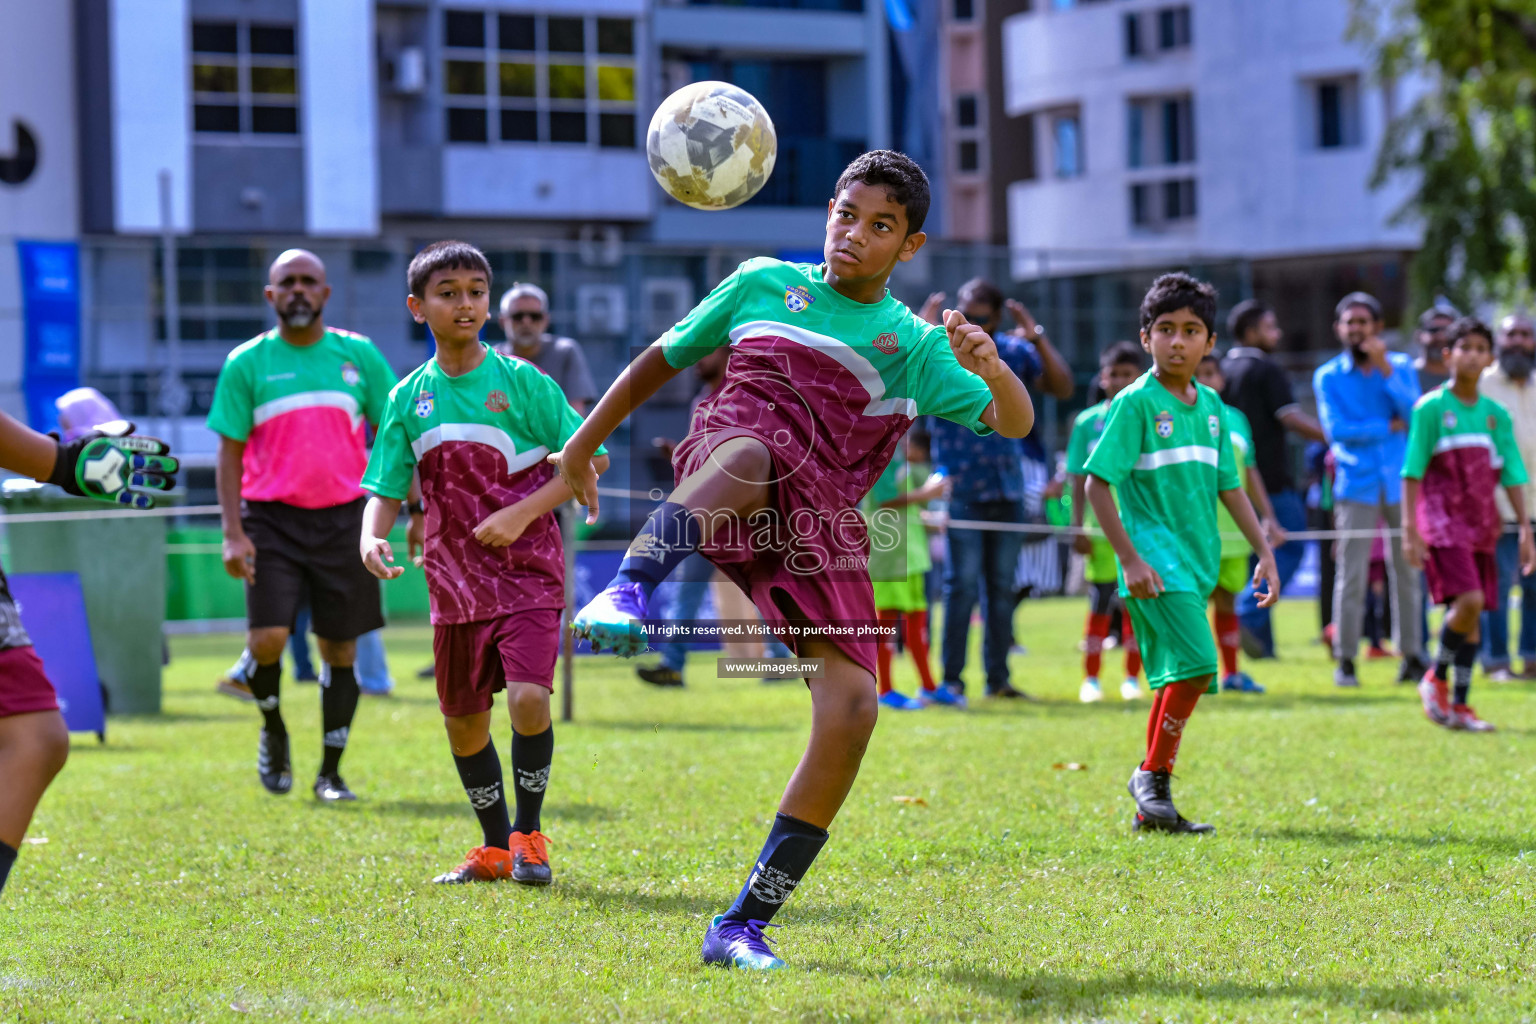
(1130, 691)
(1089, 692)
(1498, 675)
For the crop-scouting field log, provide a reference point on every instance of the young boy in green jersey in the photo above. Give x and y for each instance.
(1119, 366)
(477, 427)
(1233, 573)
(899, 564)
(1461, 450)
(1166, 453)
(827, 371)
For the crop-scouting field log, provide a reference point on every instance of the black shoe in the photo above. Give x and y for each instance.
(1344, 674)
(660, 676)
(329, 789)
(1252, 648)
(1009, 691)
(1179, 824)
(1153, 794)
(430, 672)
(1412, 671)
(272, 763)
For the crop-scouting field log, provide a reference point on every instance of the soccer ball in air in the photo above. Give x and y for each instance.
(711, 145)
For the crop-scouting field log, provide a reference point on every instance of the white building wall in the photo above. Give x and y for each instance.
(1264, 190)
(338, 111)
(151, 112)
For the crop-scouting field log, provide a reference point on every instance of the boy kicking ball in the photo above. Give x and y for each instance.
(826, 373)
(477, 426)
(1461, 449)
(1167, 453)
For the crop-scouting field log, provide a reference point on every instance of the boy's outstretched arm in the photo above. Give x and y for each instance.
(1516, 495)
(1140, 578)
(1011, 412)
(505, 525)
(25, 451)
(1241, 508)
(640, 380)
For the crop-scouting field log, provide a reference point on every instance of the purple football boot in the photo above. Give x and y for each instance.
(611, 620)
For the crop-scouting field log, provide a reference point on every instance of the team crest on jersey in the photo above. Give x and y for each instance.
(424, 404)
(1164, 423)
(350, 375)
(1450, 420)
(496, 401)
(1214, 422)
(797, 298)
(887, 342)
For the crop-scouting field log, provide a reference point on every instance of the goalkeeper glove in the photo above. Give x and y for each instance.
(113, 465)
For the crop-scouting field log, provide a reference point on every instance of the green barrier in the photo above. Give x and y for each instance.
(197, 587)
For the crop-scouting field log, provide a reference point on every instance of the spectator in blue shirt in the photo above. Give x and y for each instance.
(986, 477)
(1365, 398)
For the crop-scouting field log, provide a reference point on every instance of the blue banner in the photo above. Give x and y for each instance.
(50, 309)
(52, 607)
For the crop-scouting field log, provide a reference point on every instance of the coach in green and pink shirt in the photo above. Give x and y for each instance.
(291, 410)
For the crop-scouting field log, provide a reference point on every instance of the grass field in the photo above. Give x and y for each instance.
(1368, 866)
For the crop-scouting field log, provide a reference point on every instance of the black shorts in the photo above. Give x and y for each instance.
(311, 550)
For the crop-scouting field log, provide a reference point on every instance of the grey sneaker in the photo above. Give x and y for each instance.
(1344, 674)
(1153, 794)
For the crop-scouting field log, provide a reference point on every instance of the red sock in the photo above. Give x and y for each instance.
(917, 643)
(1093, 644)
(1167, 726)
(1132, 650)
(1228, 638)
(1155, 714)
(888, 617)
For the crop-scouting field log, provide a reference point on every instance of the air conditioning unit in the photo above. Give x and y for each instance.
(601, 310)
(600, 245)
(408, 71)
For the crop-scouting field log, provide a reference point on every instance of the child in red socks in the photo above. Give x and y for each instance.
(899, 564)
(1166, 455)
(1119, 366)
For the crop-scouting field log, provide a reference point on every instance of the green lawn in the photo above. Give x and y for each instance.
(1368, 866)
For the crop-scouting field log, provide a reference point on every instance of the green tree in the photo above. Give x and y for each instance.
(1468, 141)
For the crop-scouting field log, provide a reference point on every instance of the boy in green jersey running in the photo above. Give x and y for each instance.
(1167, 454)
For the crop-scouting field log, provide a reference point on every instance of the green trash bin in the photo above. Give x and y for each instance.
(121, 562)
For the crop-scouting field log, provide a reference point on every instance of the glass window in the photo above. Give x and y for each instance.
(965, 10)
(615, 35)
(464, 77)
(1141, 213)
(208, 117)
(567, 81)
(215, 78)
(466, 124)
(1135, 152)
(215, 37)
(615, 83)
(1133, 47)
(567, 126)
(616, 131)
(276, 40)
(965, 111)
(464, 28)
(518, 79)
(519, 126)
(567, 35)
(969, 155)
(280, 81)
(1330, 115)
(275, 120)
(515, 31)
(1069, 155)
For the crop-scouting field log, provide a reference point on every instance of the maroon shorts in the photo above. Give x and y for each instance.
(24, 686)
(1453, 571)
(474, 660)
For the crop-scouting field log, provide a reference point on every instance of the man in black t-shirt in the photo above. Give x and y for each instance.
(1259, 387)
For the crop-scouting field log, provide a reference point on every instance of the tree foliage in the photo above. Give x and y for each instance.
(1468, 141)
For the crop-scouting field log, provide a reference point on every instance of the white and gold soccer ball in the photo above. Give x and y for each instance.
(711, 145)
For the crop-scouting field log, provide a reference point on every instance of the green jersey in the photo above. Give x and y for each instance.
(898, 538)
(479, 441)
(1168, 461)
(1233, 543)
(1461, 454)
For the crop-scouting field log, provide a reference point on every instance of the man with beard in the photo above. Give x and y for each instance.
(1508, 382)
(1365, 399)
(289, 410)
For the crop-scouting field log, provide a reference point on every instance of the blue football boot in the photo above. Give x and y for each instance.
(1240, 682)
(945, 695)
(898, 701)
(611, 620)
(740, 944)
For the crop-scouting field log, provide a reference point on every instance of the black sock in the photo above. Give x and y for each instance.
(670, 535)
(7, 858)
(1450, 643)
(265, 681)
(338, 703)
(787, 855)
(1465, 659)
(531, 757)
(481, 775)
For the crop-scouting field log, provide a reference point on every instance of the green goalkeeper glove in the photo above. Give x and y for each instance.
(113, 465)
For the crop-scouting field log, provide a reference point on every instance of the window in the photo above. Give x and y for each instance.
(1165, 28)
(1160, 131)
(540, 78)
(969, 156)
(965, 10)
(1336, 113)
(245, 79)
(1066, 135)
(1157, 204)
(965, 110)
